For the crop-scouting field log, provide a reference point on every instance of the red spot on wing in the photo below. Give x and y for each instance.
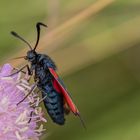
(57, 85)
(53, 73)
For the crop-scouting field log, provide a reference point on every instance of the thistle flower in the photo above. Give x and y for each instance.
(18, 122)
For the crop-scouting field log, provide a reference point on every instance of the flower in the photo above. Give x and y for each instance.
(18, 121)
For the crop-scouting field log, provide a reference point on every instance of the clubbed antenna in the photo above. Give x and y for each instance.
(38, 33)
(16, 35)
(19, 37)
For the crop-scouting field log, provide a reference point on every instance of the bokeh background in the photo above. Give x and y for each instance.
(96, 46)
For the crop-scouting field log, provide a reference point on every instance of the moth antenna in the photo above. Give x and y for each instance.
(19, 37)
(38, 33)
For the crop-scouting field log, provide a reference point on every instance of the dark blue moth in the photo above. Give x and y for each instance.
(56, 98)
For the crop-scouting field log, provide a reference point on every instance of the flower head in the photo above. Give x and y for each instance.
(18, 121)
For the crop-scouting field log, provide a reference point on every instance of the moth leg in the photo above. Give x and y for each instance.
(31, 114)
(35, 104)
(34, 86)
(28, 69)
(21, 70)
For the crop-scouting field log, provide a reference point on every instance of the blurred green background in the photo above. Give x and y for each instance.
(96, 45)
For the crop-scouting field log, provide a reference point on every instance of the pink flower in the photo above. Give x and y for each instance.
(18, 122)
